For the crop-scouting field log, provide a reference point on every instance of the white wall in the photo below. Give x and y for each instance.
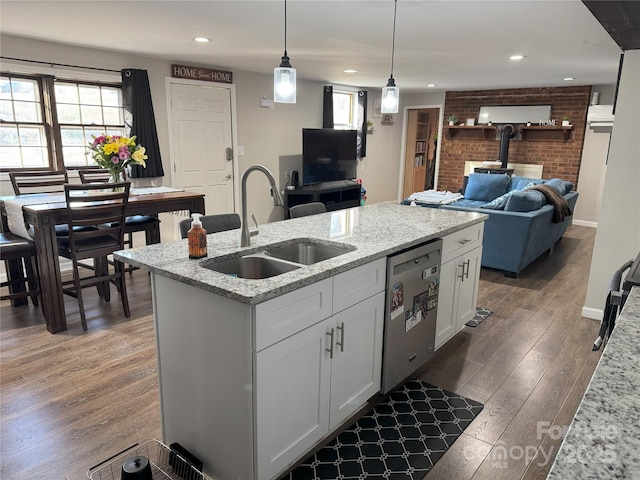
(618, 236)
(593, 166)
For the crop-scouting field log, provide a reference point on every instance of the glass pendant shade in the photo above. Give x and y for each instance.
(284, 82)
(390, 97)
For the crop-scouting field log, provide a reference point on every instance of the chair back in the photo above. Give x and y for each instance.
(38, 182)
(213, 223)
(104, 205)
(94, 175)
(306, 209)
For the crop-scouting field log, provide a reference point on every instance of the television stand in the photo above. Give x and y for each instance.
(334, 195)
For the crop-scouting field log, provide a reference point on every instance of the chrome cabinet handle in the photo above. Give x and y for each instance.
(460, 275)
(330, 350)
(467, 263)
(463, 241)
(341, 342)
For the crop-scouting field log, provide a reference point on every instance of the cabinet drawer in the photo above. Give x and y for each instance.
(462, 241)
(355, 285)
(292, 312)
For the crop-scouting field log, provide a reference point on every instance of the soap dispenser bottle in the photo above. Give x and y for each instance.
(197, 237)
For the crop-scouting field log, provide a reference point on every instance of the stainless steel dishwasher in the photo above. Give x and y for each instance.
(413, 281)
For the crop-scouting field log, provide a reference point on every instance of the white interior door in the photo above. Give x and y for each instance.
(202, 144)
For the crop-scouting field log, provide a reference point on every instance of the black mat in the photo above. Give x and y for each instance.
(400, 439)
(481, 315)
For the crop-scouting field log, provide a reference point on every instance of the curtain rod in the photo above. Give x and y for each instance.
(52, 64)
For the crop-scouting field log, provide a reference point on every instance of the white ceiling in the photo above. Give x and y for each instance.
(458, 45)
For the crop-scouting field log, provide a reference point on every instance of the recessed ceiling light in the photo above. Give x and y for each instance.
(202, 39)
(432, 85)
(350, 70)
(516, 58)
(568, 79)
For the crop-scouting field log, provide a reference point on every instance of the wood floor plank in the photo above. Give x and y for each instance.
(461, 460)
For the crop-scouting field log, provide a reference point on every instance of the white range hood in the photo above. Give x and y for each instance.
(600, 116)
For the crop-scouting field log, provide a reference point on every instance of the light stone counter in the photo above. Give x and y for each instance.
(603, 441)
(374, 230)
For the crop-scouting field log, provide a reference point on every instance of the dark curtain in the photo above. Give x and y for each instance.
(141, 121)
(362, 123)
(327, 107)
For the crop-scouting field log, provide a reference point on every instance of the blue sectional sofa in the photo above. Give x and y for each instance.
(520, 227)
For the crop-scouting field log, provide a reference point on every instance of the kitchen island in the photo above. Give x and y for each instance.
(254, 374)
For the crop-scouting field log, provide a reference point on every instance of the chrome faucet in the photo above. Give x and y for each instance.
(245, 237)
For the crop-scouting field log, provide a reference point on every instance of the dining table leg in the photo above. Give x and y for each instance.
(50, 278)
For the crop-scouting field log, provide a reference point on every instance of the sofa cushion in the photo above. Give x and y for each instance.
(526, 201)
(518, 183)
(465, 202)
(557, 184)
(568, 186)
(486, 186)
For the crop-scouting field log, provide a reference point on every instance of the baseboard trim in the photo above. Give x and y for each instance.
(584, 223)
(593, 313)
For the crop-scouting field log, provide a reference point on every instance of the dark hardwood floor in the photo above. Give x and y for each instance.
(71, 400)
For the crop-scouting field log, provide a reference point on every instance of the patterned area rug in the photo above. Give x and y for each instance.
(400, 439)
(480, 316)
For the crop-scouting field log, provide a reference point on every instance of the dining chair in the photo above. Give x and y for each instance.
(306, 209)
(38, 181)
(148, 224)
(213, 223)
(24, 276)
(100, 212)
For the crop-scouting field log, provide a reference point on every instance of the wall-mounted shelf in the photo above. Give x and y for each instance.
(546, 133)
(477, 131)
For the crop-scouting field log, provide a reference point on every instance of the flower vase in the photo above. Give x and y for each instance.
(117, 176)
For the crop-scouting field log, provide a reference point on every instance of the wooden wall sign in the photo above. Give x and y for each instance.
(198, 73)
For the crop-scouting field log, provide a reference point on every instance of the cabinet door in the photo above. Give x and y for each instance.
(468, 287)
(447, 312)
(357, 357)
(291, 398)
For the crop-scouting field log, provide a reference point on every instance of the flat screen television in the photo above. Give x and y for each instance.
(328, 155)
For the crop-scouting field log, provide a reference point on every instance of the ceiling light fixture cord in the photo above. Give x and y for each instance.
(393, 40)
(285, 28)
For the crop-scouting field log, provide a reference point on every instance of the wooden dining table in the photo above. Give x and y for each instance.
(45, 216)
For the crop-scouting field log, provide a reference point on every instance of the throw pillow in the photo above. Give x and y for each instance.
(498, 203)
(557, 184)
(519, 183)
(568, 186)
(486, 186)
(526, 201)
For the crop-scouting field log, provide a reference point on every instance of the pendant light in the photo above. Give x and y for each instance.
(391, 93)
(284, 76)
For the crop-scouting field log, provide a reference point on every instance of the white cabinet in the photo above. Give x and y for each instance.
(459, 279)
(309, 383)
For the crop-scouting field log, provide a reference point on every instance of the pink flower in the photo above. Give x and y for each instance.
(123, 153)
(99, 140)
(115, 160)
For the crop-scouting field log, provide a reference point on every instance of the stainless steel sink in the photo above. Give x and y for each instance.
(307, 252)
(253, 267)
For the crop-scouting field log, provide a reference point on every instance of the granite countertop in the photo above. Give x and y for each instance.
(374, 230)
(603, 441)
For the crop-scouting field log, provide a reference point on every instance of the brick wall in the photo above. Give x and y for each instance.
(560, 159)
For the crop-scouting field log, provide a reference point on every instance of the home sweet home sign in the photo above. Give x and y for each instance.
(198, 73)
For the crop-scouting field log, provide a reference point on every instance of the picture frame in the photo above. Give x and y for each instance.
(377, 108)
(387, 119)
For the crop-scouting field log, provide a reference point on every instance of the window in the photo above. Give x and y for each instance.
(345, 110)
(78, 111)
(83, 111)
(23, 141)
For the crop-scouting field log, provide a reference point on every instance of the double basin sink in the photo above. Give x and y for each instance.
(278, 258)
